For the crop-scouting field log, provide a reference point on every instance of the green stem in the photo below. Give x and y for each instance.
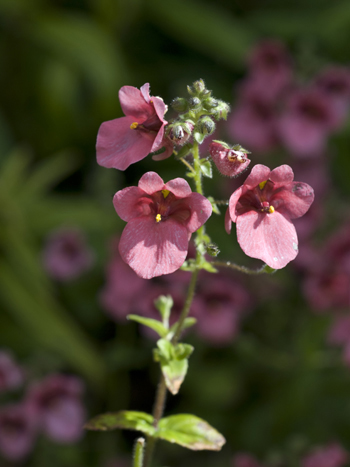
(187, 164)
(237, 267)
(159, 404)
(138, 452)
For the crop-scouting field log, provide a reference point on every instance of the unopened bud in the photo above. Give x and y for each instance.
(179, 133)
(221, 110)
(180, 104)
(212, 249)
(206, 126)
(210, 103)
(194, 102)
(230, 162)
(199, 86)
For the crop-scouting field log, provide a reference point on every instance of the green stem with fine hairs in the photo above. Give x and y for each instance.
(159, 404)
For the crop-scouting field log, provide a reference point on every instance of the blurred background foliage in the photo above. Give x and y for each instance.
(278, 388)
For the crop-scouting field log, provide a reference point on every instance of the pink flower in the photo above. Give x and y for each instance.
(57, 402)
(126, 140)
(253, 121)
(270, 68)
(307, 122)
(161, 218)
(222, 303)
(335, 83)
(18, 428)
(11, 375)
(332, 455)
(66, 255)
(122, 288)
(230, 162)
(263, 208)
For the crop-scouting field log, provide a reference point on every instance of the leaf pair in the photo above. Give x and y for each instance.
(186, 430)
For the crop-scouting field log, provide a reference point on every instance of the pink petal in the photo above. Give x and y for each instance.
(152, 249)
(160, 108)
(145, 92)
(259, 174)
(233, 202)
(126, 203)
(118, 145)
(179, 187)
(269, 237)
(157, 143)
(282, 175)
(201, 210)
(169, 148)
(294, 200)
(134, 104)
(228, 222)
(151, 182)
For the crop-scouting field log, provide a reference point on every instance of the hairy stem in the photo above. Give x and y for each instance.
(237, 267)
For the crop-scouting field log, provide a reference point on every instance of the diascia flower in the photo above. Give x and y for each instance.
(262, 209)
(126, 140)
(160, 220)
(229, 161)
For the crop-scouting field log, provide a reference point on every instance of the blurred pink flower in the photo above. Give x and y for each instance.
(57, 402)
(243, 459)
(126, 140)
(221, 303)
(263, 208)
(335, 83)
(333, 455)
(253, 121)
(11, 375)
(270, 68)
(122, 289)
(18, 429)
(228, 161)
(66, 255)
(306, 122)
(160, 220)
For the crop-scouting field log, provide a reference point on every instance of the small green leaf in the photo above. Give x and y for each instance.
(183, 351)
(225, 145)
(164, 303)
(126, 420)
(186, 324)
(208, 266)
(199, 137)
(190, 174)
(206, 168)
(184, 151)
(150, 323)
(268, 269)
(166, 348)
(190, 432)
(216, 210)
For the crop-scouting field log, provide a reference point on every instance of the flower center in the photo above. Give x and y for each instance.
(158, 217)
(236, 156)
(265, 207)
(134, 125)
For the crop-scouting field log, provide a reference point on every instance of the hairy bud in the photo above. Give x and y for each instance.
(206, 126)
(179, 104)
(194, 102)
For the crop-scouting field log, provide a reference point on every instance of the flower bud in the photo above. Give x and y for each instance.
(199, 86)
(206, 126)
(210, 103)
(179, 133)
(229, 161)
(212, 249)
(194, 102)
(221, 110)
(179, 104)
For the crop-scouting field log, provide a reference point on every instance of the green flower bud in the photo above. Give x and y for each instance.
(210, 103)
(212, 249)
(206, 126)
(199, 86)
(221, 110)
(194, 102)
(179, 104)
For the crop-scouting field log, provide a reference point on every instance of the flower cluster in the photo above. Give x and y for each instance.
(161, 217)
(274, 110)
(52, 406)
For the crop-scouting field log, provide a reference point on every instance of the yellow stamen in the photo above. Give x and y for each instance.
(134, 125)
(262, 184)
(158, 218)
(271, 209)
(165, 193)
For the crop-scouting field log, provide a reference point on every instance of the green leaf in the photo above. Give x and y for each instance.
(191, 432)
(150, 323)
(164, 303)
(125, 419)
(184, 150)
(173, 362)
(216, 210)
(199, 137)
(268, 269)
(208, 266)
(190, 174)
(206, 168)
(186, 324)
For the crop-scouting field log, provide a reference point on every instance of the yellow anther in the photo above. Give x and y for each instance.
(158, 218)
(134, 125)
(262, 184)
(271, 209)
(165, 193)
